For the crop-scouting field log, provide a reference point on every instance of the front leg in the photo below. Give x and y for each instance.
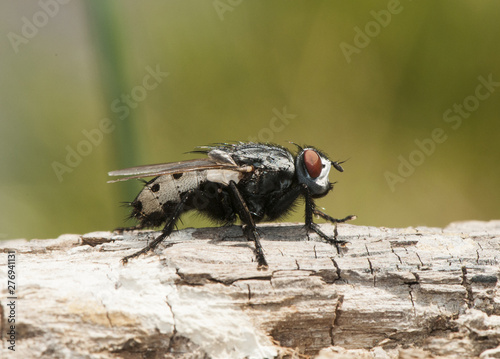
(311, 226)
(325, 216)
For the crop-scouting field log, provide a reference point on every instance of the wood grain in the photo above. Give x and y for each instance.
(392, 292)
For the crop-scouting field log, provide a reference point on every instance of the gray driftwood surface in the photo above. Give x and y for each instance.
(392, 293)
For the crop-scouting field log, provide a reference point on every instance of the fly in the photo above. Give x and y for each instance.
(251, 181)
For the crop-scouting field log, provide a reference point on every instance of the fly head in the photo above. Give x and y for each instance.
(313, 169)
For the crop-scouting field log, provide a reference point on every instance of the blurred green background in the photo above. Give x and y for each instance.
(361, 81)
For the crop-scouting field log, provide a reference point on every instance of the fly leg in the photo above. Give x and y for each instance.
(311, 226)
(331, 219)
(127, 229)
(167, 230)
(249, 228)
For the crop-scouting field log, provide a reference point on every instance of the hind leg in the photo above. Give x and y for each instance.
(167, 230)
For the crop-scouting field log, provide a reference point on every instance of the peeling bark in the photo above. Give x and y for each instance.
(415, 292)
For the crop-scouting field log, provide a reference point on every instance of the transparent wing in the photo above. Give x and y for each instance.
(174, 167)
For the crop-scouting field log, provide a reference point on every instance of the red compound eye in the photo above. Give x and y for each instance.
(313, 163)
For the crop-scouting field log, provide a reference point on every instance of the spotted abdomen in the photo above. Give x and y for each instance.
(160, 196)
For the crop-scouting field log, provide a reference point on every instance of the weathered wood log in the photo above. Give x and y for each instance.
(413, 292)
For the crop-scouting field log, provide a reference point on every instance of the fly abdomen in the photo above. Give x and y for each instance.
(158, 199)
